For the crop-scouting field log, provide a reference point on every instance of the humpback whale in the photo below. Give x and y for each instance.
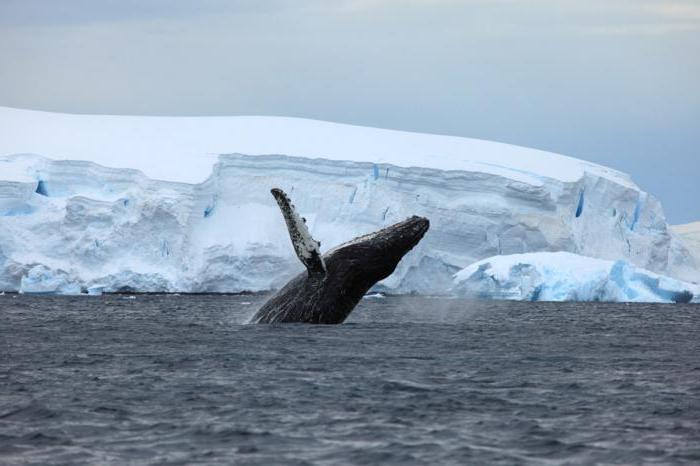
(333, 283)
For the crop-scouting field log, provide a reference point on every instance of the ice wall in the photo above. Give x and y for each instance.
(71, 225)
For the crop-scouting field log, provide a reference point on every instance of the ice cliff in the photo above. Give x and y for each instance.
(563, 276)
(183, 204)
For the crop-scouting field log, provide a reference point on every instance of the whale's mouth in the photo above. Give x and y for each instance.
(413, 228)
(417, 225)
(409, 232)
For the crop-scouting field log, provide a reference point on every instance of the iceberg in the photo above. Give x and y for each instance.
(182, 204)
(690, 236)
(563, 276)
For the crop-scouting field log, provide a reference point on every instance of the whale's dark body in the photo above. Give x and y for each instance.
(334, 283)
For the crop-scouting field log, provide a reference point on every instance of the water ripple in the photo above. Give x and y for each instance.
(183, 380)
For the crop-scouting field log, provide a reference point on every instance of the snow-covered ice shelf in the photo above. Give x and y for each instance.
(183, 204)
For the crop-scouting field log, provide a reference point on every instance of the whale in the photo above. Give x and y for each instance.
(333, 283)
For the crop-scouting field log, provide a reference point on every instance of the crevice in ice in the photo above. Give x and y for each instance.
(637, 211)
(209, 209)
(352, 195)
(579, 207)
(41, 188)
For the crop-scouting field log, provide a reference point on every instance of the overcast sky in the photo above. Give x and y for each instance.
(611, 81)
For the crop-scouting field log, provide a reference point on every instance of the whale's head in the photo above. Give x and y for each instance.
(367, 259)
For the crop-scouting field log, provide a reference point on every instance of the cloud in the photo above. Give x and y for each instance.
(368, 4)
(643, 18)
(649, 29)
(676, 10)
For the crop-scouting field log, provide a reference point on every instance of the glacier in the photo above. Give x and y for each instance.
(563, 276)
(181, 204)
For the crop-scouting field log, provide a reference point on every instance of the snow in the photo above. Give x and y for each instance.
(562, 276)
(185, 149)
(170, 204)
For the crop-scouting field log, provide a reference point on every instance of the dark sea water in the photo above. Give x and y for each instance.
(181, 380)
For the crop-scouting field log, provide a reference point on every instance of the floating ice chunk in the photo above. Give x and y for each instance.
(96, 290)
(563, 276)
(43, 280)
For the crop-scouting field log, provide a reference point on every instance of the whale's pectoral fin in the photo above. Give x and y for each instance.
(307, 248)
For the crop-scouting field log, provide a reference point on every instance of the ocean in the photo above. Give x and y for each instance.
(183, 379)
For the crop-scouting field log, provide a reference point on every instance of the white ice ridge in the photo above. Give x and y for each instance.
(196, 222)
(562, 276)
(185, 149)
